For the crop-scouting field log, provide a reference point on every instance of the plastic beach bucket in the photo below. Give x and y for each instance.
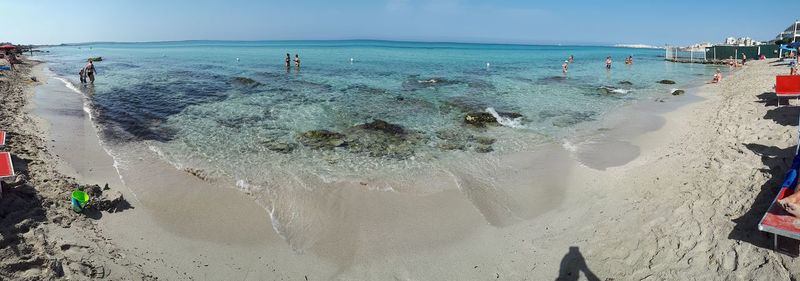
(79, 200)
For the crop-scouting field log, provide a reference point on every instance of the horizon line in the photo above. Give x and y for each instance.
(570, 44)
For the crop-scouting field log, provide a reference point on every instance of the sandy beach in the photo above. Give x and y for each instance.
(674, 193)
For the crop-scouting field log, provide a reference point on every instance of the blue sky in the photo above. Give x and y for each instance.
(498, 21)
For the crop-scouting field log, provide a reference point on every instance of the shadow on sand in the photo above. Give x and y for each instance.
(572, 264)
(784, 115)
(778, 161)
(768, 99)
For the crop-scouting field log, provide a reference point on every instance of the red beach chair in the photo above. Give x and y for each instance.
(6, 169)
(787, 86)
(2, 139)
(780, 223)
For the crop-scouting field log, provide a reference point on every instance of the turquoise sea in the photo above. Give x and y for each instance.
(232, 113)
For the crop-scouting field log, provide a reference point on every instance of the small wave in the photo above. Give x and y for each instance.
(69, 85)
(505, 121)
(246, 186)
(615, 90)
(569, 146)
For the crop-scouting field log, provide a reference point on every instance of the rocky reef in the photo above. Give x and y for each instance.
(322, 139)
(244, 81)
(482, 119)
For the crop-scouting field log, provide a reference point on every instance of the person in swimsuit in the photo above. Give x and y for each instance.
(571, 59)
(82, 73)
(744, 58)
(717, 76)
(297, 60)
(89, 70)
(798, 57)
(288, 60)
(608, 62)
(565, 66)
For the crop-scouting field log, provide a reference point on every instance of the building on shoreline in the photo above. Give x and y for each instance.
(742, 41)
(733, 47)
(791, 34)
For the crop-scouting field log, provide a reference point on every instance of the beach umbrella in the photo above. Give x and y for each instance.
(7, 47)
(794, 45)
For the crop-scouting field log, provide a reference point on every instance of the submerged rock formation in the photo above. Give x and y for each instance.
(383, 126)
(610, 90)
(244, 81)
(666, 82)
(281, 147)
(481, 119)
(485, 140)
(482, 148)
(383, 139)
(322, 139)
(678, 92)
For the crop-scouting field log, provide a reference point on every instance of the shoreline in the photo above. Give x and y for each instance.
(604, 194)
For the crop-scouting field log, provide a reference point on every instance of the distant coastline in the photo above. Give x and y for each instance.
(637, 46)
(586, 44)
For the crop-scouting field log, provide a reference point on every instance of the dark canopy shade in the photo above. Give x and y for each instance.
(794, 45)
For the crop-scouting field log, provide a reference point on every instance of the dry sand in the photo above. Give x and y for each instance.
(679, 199)
(42, 238)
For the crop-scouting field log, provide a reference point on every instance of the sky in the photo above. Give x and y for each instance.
(677, 22)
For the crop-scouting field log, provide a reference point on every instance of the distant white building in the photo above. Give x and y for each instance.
(791, 34)
(743, 41)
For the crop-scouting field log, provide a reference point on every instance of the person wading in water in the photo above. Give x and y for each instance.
(89, 71)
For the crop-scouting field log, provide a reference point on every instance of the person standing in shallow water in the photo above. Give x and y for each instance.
(297, 61)
(89, 70)
(288, 60)
(629, 60)
(82, 74)
(565, 67)
(571, 59)
(608, 62)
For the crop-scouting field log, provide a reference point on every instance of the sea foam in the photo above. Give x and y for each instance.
(505, 121)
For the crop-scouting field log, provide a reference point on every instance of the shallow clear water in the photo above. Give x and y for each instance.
(230, 110)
